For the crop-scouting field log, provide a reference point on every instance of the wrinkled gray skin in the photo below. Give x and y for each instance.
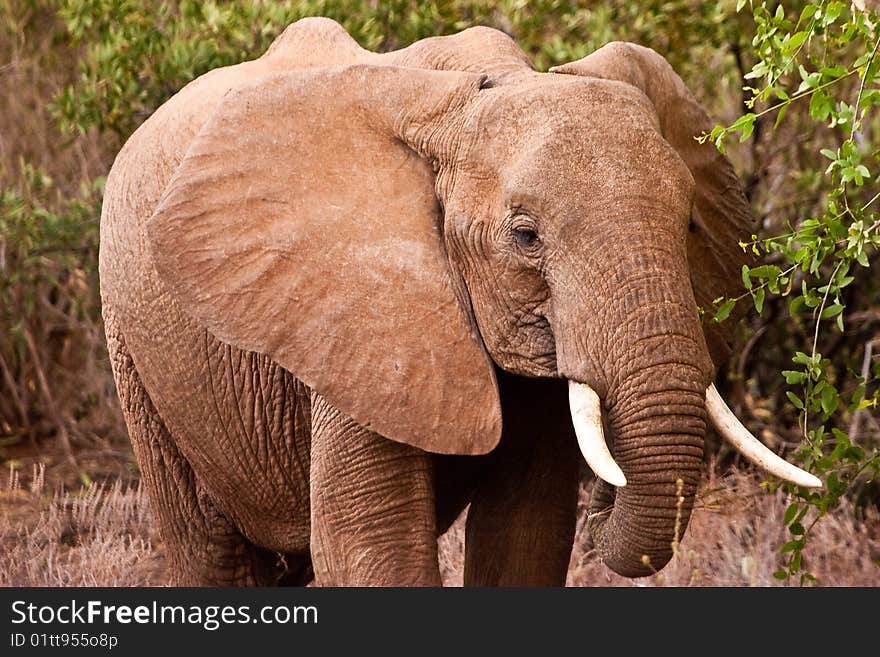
(333, 279)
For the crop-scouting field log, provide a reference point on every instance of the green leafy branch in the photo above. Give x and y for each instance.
(823, 251)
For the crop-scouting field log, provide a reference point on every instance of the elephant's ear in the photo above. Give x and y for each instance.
(301, 225)
(722, 216)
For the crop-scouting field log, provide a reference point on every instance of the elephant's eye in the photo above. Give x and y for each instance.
(525, 237)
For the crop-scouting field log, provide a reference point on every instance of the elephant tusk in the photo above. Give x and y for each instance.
(586, 415)
(754, 450)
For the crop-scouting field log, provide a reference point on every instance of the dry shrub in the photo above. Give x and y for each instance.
(100, 536)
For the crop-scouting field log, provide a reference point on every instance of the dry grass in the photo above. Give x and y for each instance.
(105, 536)
(100, 536)
(733, 540)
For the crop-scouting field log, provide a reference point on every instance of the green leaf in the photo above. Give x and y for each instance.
(724, 310)
(780, 115)
(854, 453)
(797, 39)
(808, 13)
(821, 105)
(830, 400)
(832, 12)
(870, 98)
(746, 124)
(765, 271)
(832, 311)
(780, 574)
(793, 377)
(794, 399)
(808, 80)
(790, 512)
(833, 71)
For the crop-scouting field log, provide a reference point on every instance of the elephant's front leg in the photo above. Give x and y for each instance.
(372, 506)
(521, 522)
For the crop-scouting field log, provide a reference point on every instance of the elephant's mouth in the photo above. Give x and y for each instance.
(586, 415)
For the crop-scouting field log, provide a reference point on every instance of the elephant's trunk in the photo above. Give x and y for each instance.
(657, 421)
(657, 410)
(650, 366)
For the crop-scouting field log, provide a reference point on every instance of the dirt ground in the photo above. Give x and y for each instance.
(55, 531)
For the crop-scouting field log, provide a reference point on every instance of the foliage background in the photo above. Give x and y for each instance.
(78, 76)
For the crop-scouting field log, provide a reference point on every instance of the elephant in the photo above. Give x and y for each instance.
(348, 294)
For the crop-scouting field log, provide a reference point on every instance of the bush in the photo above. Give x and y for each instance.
(818, 68)
(54, 378)
(137, 53)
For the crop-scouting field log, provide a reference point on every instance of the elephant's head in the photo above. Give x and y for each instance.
(390, 235)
